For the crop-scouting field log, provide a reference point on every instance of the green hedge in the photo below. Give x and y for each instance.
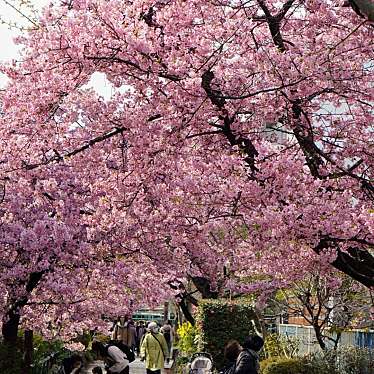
(286, 366)
(219, 321)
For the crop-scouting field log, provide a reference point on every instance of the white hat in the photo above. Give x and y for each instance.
(153, 327)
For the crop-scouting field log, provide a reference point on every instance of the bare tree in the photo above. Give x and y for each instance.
(330, 303)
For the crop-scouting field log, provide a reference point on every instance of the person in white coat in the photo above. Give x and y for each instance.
(114, 358)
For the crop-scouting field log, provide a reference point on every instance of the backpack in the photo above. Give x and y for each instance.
(124, 348)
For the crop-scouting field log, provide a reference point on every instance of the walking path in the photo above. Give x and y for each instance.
(136, 367)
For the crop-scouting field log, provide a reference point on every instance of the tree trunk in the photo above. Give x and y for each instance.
(12, 317)
(186, 312)
(28, 348)
(319, 337)
(337, 340)
(204, 287)
(10, 327)
(166, 311)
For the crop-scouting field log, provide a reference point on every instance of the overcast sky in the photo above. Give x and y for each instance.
(9, 51)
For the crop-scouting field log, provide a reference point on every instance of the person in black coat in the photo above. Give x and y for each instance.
(248, 360)
(231, 353)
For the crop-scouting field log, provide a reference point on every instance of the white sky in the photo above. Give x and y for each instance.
(9, 51)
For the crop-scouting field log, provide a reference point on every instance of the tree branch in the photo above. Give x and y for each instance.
(90, 143)
(357, 262)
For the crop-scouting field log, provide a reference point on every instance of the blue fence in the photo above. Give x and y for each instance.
(308, 341)
(364, 339)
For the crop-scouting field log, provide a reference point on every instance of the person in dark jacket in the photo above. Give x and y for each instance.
(248, 360)
(231, 353)
(140, 332)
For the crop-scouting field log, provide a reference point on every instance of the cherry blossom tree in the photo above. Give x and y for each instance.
(237, 132)
(56, 277)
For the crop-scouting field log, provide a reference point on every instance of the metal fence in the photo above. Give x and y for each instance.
(309, 344)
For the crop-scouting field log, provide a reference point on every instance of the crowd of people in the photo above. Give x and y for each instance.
(153, 344)
(149, 341)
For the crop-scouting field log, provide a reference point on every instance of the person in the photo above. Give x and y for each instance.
(115, 360)
(72, 364)
(248, 360)
(140, 331)
(124, 331)
(167, 331)
(154, 350)
(231, 353)
(97, 370)
(132, 335)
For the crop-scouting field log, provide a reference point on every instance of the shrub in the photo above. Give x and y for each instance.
(219, 321)
(286, 366)
(44, 348)
(356, 360)
(346, 360)
(89, 356)
(101, 338)
(47, 354)
(11, 357)
(265, 363)
(277, 345)
(187, 342)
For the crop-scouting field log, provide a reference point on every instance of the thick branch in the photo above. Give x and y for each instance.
(184, 307)
(315, 156)
(357, 262)
(274, 23)
(286, 7)
(203, 286)
(245, 145)
(215, 96)
(304, 137)
(183, 298)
